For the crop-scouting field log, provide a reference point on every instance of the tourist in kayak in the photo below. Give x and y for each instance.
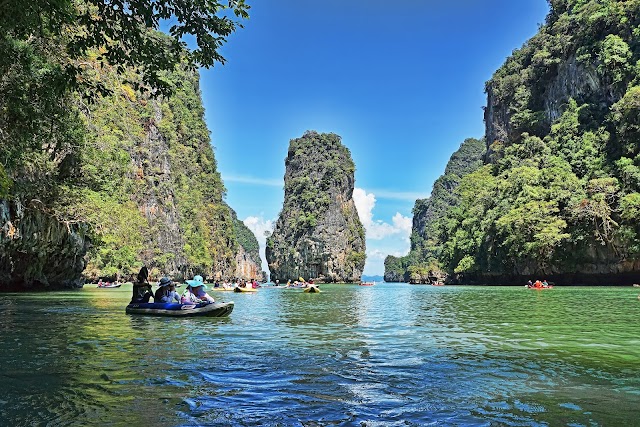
(142, 289)
(196, 292)
(166, 292)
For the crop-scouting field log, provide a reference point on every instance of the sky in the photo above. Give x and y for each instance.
(402, 82)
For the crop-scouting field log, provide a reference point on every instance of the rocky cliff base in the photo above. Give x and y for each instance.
(37, 251)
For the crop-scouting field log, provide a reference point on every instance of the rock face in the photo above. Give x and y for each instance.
(393, 269)
(168, 184)
(557, 195)
(248, 263)
(144, 189)
(420, 265)
(318, 234)
(38, 251)
(155, 198)
(572, 79)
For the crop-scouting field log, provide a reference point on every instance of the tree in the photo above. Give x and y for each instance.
(120, 30)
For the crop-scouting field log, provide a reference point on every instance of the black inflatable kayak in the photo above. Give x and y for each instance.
(216, 309)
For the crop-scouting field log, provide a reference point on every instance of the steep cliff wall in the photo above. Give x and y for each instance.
(138, 176)
(421, 264)
(37, 250)
(318, 234)
(559, 194)
(248, 263)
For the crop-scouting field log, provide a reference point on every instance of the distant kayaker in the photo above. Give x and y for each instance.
(142, 289)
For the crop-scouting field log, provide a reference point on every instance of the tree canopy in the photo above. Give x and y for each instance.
(119, 29)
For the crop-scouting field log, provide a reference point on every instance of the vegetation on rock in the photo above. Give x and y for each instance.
(87, 140)
(558, 195)
(318, 234)
(422, 263)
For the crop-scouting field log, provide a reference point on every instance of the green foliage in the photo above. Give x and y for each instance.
(558, 190)
(246, 239)
(78, 125)
(615, 57)
(630, 208)
(120, 31)
(357, 259)
(117, 231)
(625, 117)
(465, 265)
(5, 183)
(429, 215)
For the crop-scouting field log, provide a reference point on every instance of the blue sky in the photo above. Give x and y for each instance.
(402, 82)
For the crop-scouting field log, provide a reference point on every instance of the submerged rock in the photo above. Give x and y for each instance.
(318, 234)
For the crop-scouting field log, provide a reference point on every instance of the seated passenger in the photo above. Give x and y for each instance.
(195, 292)
(166, 292)
(142, 289)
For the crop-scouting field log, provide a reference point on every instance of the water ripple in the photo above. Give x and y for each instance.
(389, 355)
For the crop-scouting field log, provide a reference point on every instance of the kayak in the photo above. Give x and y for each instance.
(367, 283)
(239, 289)
(223, 288)
(312, 290)
(216, 309)
(540, 288)
(110, 285)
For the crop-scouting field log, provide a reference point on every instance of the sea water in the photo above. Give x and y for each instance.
(387, 355)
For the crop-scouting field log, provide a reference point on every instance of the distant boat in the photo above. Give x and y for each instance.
(367, 283)
(108, 285)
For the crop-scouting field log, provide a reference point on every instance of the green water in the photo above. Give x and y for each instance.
(387, 355)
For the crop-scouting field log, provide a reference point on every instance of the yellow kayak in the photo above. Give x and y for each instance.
(239, 289)
(312, 290)
(223, 289)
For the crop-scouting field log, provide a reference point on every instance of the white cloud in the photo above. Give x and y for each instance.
(378, 229)
(376, 255)
(253, 180)
(399, 195)
(392, 238)
(259, 226)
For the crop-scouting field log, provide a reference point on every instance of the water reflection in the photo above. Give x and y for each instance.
(383, 355)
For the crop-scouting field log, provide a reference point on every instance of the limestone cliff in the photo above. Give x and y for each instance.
(37, 250)
(248, 263)
(138, 179)
(421, 264)
(318, 234)
(559, 194)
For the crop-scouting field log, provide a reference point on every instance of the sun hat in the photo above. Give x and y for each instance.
(197, 281)
(165, 281)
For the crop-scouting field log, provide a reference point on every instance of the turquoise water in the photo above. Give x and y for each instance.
(387, 355)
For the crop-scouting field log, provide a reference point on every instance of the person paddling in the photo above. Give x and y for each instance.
(142, 289)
